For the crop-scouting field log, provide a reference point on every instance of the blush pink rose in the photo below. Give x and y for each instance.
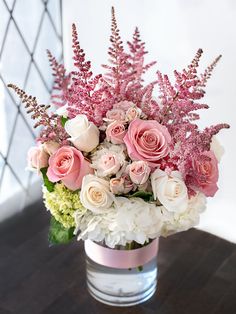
(207, 174)
(115, 132)
(139, 172)
(148, 141)
(128, 184)
(133, 113)
(68, 165)
(50, 147)
(117, 185)
(124, 105)
(108, 164)
(37, 158)
(115, 114)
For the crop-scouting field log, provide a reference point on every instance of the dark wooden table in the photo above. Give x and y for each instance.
(197, 273)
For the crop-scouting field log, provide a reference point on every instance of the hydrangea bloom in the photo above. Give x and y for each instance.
(63, 204)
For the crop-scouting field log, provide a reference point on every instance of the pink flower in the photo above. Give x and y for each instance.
(115, 114)
(115, 132)
(117, 185)
(107, 165)
(122, 185)
(37, 158)
(133, 113)
(124, 105)
(128, 184)
(148, 141)
(68, 165)
(139, 172)
(50, 147)
(207, 173)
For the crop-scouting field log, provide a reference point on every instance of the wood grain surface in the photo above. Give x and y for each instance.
(197, 273)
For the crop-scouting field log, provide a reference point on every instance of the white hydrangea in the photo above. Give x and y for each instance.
(176, 222)
(128, 220)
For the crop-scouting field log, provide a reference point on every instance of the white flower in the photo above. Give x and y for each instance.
(84, 134)
(136, 220)
(62, 111)
(108, 160)
(95, 194)
(129, 220)
(94, 227)
(171, 190)
(176, 222)
(217, 148)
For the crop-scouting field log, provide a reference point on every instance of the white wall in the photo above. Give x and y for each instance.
(173, 30)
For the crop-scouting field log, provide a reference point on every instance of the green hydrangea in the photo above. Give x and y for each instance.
(63, 204)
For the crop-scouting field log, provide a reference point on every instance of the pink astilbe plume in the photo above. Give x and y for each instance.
(61, 81)
(52, 127)
(120, 72)
(85, 94)
(125, 72)
(136, 91)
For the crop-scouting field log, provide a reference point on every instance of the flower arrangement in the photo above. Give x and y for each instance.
(120, 165)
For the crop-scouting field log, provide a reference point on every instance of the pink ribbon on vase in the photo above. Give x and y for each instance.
(123, 259)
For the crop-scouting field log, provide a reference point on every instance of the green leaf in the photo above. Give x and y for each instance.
(58, 234)
(146, 196)
(49, 185)
(63, 121)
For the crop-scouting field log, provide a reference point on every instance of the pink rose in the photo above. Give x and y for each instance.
(128, 184)
(139, 172)
(148, 141)
(207, 174)
(115, 132)
(117, 185)
(122, 185)
(124, 105)
(133, 113)
(108, 164)
(50, 147)
(68, 165)
(115, 114)
(37, 158)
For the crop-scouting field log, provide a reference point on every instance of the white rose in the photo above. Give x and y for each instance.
(84, 134)
(217, 148)
(95, 194)
(171, 190)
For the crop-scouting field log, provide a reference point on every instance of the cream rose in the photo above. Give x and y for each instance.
(171, 190)
(84, 134)
(95, 194)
